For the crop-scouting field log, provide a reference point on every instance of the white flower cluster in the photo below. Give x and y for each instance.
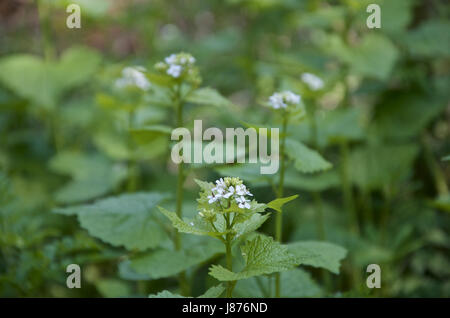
(133, 76)
(231, 188)
(175, 64)
(283, 99)
(314, 82)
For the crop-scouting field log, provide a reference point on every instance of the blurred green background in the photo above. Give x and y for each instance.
(382, 120)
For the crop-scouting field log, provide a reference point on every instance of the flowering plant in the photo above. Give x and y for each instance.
(225, 213)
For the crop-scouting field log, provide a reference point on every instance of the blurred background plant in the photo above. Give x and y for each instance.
(69, 138)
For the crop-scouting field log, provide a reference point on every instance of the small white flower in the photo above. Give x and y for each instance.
(229, 193)
(314, 82)
(174, 70)
(292, 98)
(283, 99)
(230, 188)
(176, 64)
(242, 190)
(220, 183)
(276, 101)
(213, 198)
(191, 224)
(133, 76)
(243, 203)
(171, 59)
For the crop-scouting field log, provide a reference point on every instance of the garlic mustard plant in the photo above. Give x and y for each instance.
(226, 212)
(287, 103)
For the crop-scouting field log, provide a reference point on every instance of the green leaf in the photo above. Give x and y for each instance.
(208, 96)
(165, 263)
(374, 56)
(277, 204)
(160, 79)
(403, 115)
(294, 283)
(250, 225)
(262, 255)
(318, 254)
(150, 133)
(446, 158)
(204, 186)
(76, 66)
(312, 182)
(306, 159)
(78, 191)
(126, 220)
(43, 82)
(193, 227)
(165, 294)
(213, 292)
(117, 146)
(375, 166)
(113, 288)
(28, 76)
(92, 176)
(127, 273)
(431, 39)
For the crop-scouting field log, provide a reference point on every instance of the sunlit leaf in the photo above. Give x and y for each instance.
(127, 220)
(277, 204)
(318, 254)
(306, 160)
(262, 255)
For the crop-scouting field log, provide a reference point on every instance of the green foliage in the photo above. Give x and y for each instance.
(44, 82)
(197, 226)
(127, 220)
(277, 204)
(92, 176)
(306, 159)
(295, 282)
(262, 255)
(427, 40)
(213, 292)
(366, 149)
(318, 254)
(207, 96)
(374, 56)
(167, 262)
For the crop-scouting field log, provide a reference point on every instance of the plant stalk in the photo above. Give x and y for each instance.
(279, 216)
(184, 286)
(229, 256)
(347, 188)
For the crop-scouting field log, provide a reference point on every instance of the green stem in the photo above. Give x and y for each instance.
(45, 29)
(279, 216)
(229, 256)
(279, 219)
(320, 227)
(347, 188)
(385, 213)
(184, 286)
(438, 176)
(316, 194)
(132, 165)
(318, 202)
